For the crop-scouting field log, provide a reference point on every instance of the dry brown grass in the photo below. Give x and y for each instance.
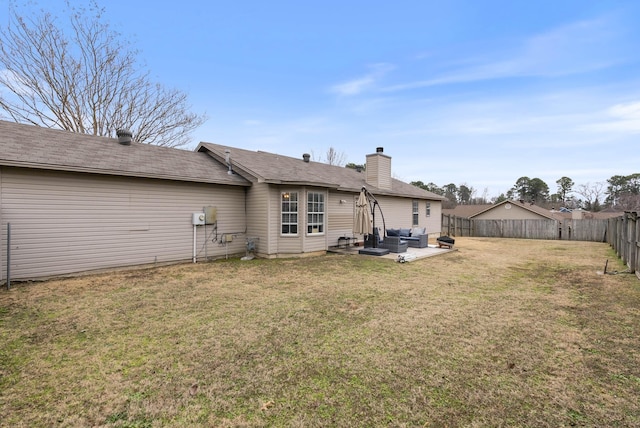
(500, 333)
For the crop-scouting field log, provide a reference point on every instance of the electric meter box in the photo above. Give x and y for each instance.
(197, 219)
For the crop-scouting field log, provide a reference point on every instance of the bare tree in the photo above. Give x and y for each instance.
(87, 81)
(592, 194)
(629, 202)
(334, 158)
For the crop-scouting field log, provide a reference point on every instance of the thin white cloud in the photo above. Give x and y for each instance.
(628, 111)
(574, 48)
(361, 84)
(623, 118)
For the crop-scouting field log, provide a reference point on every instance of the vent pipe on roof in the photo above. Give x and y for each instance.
(379, 149)
(227, 159)
(306, 157)
(124, 136)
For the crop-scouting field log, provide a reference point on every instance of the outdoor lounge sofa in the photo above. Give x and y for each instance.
(394, 244)
(416, 237)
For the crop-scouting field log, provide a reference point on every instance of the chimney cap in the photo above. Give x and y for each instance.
(124, 136)
(379, 149)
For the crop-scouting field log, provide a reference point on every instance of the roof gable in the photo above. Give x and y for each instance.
(43, 148)
(471, 211)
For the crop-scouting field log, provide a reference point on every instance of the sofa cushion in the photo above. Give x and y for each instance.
(392, 232)
(405, 232)
(418, 231)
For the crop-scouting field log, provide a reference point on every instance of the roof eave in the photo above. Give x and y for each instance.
(118, 173)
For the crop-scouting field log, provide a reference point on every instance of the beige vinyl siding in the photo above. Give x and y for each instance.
(340, 216)
(302, 242)
(314, 242)
(433, 223)
(378, 171)
(258, 216)
(398, 213)
(515, 212)
(67, 222)
(285, 244)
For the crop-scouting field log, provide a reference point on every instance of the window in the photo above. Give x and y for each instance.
(428, 209)
(289, 213)
(416, 214)
(315, 212)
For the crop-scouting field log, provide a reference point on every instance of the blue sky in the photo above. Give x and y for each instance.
(467, 92)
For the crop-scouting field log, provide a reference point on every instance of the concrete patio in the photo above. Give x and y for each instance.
(410, 255)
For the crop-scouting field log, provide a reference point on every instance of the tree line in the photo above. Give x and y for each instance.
(620, 192)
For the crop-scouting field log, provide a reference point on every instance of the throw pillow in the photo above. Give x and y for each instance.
(417, 231)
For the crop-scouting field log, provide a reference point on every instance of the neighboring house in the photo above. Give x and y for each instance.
(518, 219)
(78, 203)
(505, 210)
(519, 210)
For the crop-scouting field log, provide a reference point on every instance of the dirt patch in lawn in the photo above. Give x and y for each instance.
(499, 333)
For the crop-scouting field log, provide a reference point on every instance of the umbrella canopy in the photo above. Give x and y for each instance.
(362, 215)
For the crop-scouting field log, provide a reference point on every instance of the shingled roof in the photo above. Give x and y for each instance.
(272, 168)
(471, 211)
(43, 148)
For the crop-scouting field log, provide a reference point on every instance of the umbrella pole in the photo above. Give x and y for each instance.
(375, 239)
(373, 202)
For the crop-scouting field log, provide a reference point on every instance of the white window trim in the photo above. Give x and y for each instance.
(323, 213)
(297, 212)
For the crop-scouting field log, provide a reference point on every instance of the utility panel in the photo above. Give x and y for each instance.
(197, 219)
(210, 215)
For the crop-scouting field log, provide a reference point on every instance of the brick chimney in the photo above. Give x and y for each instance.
(379, 169)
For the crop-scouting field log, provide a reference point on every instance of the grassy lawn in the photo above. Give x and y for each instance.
(499, 333)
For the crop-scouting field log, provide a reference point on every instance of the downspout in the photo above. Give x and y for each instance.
(8, 256)
(194, 243)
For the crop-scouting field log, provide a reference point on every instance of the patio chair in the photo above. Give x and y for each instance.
(394, 244)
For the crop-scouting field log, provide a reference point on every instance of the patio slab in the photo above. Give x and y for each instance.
(410, 255)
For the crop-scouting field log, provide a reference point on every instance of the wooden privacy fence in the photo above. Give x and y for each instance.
(623, 234)
(569, 229)
(456, 226)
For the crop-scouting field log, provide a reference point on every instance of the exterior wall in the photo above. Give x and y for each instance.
(259, 216)
(434, 221)
(515, 212)
(287, 245)
(379, 171)
(283, 245)
(69, 222)
(398, 212)
(340, 211)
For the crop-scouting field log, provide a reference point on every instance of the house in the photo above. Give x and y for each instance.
(296, 206)
(505, 210)
(519, 219)
(78, 203)
(521, 210)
